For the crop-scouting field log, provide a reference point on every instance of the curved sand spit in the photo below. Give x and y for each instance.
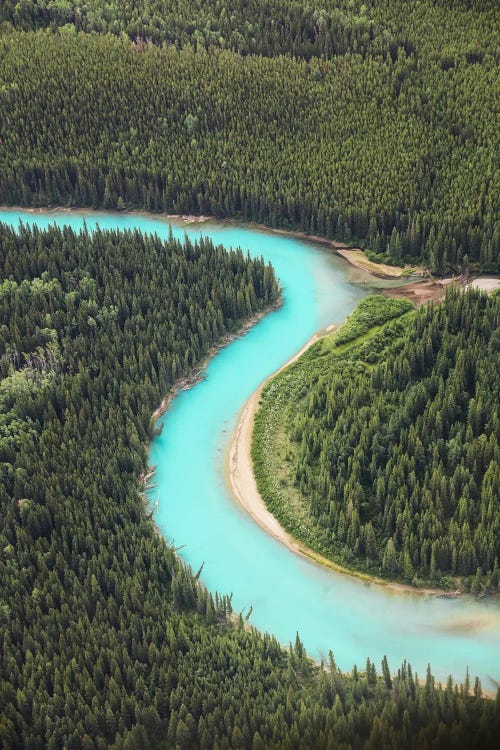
(244, 488)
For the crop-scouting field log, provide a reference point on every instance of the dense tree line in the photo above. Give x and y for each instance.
(269, 28)
(107, 640)
(274, 27)
(397, 458)
(398, 154)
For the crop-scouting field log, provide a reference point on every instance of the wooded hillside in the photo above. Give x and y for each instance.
(392, 456)
(388, 143)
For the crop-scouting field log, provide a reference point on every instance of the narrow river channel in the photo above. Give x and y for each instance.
(197, 513)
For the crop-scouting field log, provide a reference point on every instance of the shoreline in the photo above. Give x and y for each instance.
(188, 219)
(425, 291)
(185, 218)
(239, 471)
(419, 291)
(339, 248)
(379, 270)
(241, 481)
(197, 374)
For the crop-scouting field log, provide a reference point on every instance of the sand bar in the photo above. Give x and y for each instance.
(244, 488)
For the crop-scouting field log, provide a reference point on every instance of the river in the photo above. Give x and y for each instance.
(197, 513)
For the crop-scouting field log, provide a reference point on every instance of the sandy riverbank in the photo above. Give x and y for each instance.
(240, 468)
(486, 284)
(146, 480)
(244, 488)
(419, 291)
(357, 257)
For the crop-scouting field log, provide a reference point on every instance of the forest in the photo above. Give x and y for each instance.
(270, 28)
(388, 140)
(108, 640)
(391, 455)
(371, 123)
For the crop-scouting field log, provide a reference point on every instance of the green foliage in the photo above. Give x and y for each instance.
(396, 152)
(372, 122)
(107, 640)
(370, 312)
(393, 442)
(269, 28)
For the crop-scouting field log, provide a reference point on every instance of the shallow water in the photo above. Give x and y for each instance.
(197, 513)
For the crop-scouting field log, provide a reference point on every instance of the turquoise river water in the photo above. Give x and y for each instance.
(197, 513)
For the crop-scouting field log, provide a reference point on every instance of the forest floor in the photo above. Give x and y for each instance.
(242, 482)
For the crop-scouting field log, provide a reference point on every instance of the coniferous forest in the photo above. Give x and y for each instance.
(372, 123)
(107, 639)
(392, 450)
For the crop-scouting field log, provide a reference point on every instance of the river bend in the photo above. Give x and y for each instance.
(197, 513)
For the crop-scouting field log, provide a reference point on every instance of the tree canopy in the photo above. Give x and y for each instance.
(107, 640)
(392, 448)
(393, 147)
(368, 122)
